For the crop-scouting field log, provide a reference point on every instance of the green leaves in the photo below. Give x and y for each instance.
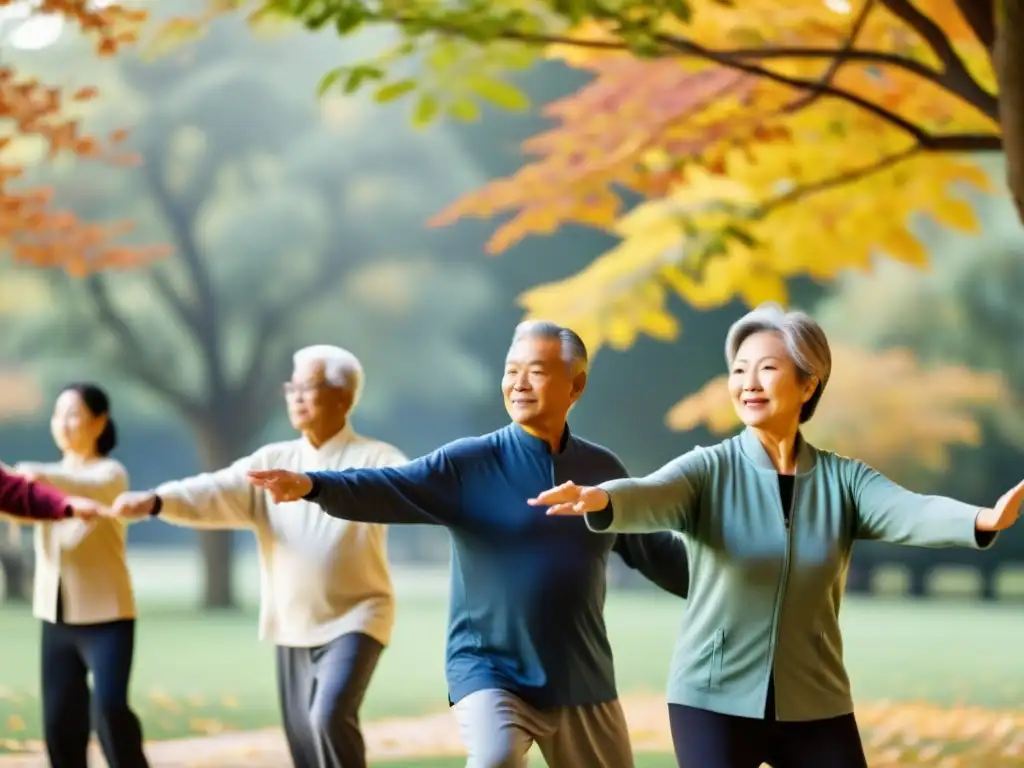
(452, 55)
(394, 90)
(349, 18)
(464, 109)
(499, 93)
(426, 110)
(328, 81)
(351, 78)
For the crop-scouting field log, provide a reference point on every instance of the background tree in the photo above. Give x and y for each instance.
(842, 150)
(290, 223)
(752, 130)
(1010, 68)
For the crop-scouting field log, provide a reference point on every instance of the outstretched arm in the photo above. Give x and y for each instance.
(103, 480)
(889, 512)
(30, 500)
(424, 491)
(660, 557)
(664, 500)
(219, 500)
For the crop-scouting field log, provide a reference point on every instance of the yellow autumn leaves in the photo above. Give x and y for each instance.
(897, 734)
(748, 181)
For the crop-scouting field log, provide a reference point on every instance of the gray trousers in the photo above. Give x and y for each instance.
(321, 690)
(498, 729)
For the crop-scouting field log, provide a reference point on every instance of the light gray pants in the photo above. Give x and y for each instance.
(321, 690)
(498, 729)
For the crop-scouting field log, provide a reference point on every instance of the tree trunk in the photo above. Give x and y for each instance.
(216, 549)
(219, 446)
(1009, 60)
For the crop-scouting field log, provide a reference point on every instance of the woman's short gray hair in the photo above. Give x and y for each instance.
(805, 340)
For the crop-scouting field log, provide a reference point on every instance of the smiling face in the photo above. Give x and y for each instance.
(74, 427)
(539, 386)
(766, 387)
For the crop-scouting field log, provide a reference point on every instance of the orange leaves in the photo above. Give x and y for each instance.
(29, 229)
(111, 26)
(35, 234)
(85, 94)
(610, 133)
(881, 407)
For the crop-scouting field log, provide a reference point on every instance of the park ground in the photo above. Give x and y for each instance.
(937, 682)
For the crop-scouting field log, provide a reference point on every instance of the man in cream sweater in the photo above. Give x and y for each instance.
(327, 599)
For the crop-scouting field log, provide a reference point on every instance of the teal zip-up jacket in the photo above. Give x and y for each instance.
(764, 595)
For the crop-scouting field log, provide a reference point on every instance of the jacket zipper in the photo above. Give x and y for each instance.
(780, 596)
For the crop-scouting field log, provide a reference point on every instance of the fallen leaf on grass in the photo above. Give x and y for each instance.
(206, 726)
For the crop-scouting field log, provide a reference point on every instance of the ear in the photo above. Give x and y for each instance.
(348, 395)
(343, 400)
(810, 387)
(100, 424)
(579, 383)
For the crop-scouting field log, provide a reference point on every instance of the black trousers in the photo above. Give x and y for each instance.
(704, 739)
(321, 690)
(70, 652)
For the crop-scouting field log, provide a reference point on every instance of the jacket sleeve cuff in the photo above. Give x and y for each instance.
(601, 520)
(983, 539)
(314, 491)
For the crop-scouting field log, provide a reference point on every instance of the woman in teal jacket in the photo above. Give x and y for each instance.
(757, 673)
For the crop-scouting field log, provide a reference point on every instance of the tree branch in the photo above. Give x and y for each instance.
(980, 15)
(706, 254)
(136, 357)
(162, 286)
(841, 57)
(932, 142)
(954, 77)
(201, 317)
(275, 321)
(839, 180)
(741, 60)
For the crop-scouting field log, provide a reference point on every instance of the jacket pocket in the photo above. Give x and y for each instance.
(711, 661)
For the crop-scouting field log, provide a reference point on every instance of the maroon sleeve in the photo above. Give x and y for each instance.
(25, 498)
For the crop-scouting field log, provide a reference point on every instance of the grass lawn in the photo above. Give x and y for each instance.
(200, 673)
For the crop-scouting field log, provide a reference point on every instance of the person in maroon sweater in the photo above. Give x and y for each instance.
(22, 497)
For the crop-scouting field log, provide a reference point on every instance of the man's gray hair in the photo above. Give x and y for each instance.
(574, 351)
(805, 341)
(341, 367)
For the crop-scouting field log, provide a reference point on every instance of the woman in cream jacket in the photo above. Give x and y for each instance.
(83, 592)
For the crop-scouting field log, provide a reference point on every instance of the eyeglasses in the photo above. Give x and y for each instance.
(295, 390)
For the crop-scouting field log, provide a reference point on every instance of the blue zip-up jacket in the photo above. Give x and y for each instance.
(527, 590)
